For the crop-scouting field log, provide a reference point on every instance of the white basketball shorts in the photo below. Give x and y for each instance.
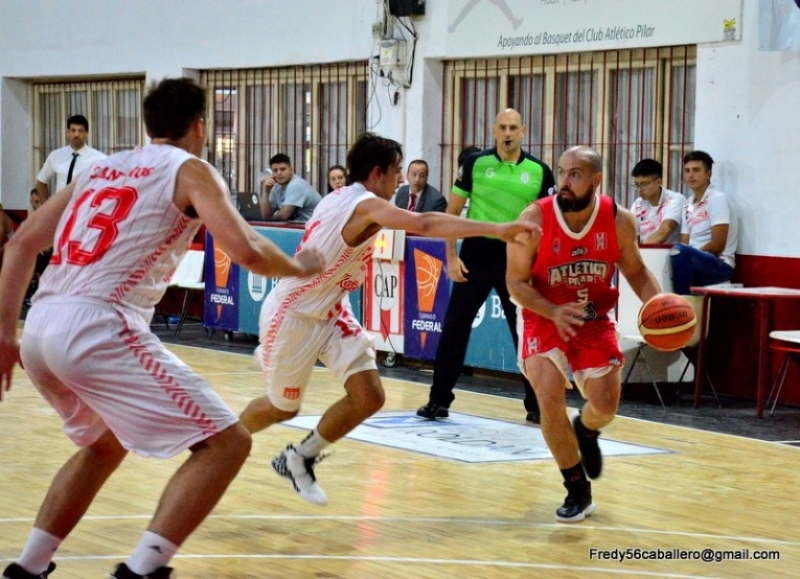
(291, 344)
(100, 367)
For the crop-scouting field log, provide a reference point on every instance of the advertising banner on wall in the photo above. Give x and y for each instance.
(427, 293)
(222, 288)
(491, 345)
(383, 304)
(519, 27)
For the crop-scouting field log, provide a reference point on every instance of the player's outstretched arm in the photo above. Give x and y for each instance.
(201, 187)
(438, 224)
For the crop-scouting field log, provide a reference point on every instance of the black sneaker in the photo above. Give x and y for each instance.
(591, 457)
(14, 571)
(121, 571)
(432, 411)
(533, 417)
(578, 505)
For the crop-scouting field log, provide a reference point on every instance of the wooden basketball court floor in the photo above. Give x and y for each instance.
(395, 513)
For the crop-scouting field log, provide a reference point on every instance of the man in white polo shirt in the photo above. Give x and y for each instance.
(68, 162)
(709, 230)
(657, 210)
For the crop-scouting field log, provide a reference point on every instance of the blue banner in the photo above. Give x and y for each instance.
(251, 289)
(427, 289)
(427, 293)
(222, 289)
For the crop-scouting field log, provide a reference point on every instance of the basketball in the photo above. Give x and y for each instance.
(667, 322)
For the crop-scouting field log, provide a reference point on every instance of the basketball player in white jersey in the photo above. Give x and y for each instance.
(303, 320)
(118, 232)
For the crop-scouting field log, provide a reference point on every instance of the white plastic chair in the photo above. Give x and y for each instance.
(188, 276)
(657, 261)
(788, 343)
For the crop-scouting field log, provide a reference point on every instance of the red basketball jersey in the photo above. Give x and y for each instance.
(577, 266)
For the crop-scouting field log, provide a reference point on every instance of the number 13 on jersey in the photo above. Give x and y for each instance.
(73, 246)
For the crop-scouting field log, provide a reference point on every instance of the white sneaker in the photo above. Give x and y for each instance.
(300, 470)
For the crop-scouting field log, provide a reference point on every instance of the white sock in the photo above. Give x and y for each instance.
(152, 552)
(38, 551)
(312, 444)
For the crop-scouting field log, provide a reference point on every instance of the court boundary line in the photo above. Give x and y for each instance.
(436, 520)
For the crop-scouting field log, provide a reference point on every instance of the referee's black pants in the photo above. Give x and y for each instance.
(485, 260)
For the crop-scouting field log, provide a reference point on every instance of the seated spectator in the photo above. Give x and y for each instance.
(709, 230)
(286, 196)
(337, 177)
(658, 211)
(418, 195)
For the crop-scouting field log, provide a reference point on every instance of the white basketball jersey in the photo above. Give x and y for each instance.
(346, 267)
(121, 236)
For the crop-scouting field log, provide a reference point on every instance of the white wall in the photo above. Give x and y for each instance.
(746, 100)
(16, 152)
(158, 38)
(80, 37)
(748, 120)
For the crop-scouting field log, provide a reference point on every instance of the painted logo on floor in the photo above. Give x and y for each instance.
(464, 437)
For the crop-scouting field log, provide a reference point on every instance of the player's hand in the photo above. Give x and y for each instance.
(456, 270)
(520, 231)
(269, 183)
(567, 319)
(9, 357)
(311, 261)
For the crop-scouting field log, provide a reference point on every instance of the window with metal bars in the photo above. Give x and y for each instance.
(627, 104)
(112, 107)
(311, 113)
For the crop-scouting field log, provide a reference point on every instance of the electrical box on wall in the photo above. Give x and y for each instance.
(407, 7)
(393, 54)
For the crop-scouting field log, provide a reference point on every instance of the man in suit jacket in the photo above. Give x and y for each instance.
(418, 196)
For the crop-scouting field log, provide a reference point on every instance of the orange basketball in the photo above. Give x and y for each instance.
(666, 322)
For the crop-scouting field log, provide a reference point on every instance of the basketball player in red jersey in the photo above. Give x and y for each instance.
(563, 280)
(120, 230)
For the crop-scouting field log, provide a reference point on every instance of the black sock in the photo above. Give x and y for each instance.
(585, 430)
(574, 474)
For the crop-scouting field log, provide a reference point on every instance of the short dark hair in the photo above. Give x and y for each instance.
(370, 151)
(701, 156)
(419, 162)
(647, 167)
(171, 106)
(466, 152)
(280, 158)
(78, 120)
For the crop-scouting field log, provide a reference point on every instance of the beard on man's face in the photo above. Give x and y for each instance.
(569, 202)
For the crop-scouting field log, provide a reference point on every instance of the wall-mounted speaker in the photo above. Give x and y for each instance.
(407, 7)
